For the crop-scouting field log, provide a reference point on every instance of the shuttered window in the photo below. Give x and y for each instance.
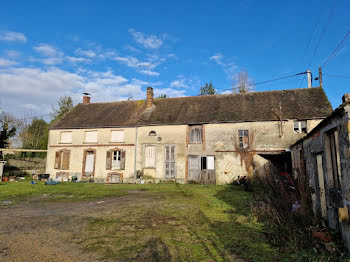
(62, 159)
(300, 127)
(91, 137)
(207, 163)
(66, 137)
(196, 134)
(117, 136)
(243, 137)
(150, 156)
(115, 159)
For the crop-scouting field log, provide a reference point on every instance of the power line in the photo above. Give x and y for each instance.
(267, 81)
(340, 76)
(331, 14)
(335, 51)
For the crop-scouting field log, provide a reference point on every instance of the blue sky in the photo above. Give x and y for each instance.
(114, 49)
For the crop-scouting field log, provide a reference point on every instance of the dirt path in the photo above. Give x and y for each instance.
(41, 231)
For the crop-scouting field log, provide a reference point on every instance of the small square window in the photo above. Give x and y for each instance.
(91, 137)
(117, 136)
(300, 127)
(66, 137)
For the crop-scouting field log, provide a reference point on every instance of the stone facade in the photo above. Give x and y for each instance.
(220, 141)
(323, 156)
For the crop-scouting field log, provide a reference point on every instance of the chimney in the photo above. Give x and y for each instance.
(86, 100)
(309, 78)
(149, 97)
(346, 98)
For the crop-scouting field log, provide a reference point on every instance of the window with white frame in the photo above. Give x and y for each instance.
(150, 156)
(243, 137)
(300, 127)
(91, 137)
(66, 137)
(207, 163)
(116, 157)
(117, 136)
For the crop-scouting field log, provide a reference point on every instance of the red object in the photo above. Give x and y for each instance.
(5, 179)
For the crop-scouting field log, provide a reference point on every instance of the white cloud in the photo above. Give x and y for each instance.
(88, 53)
(12, 54)
(228, 65)
(6, 62)
(183, 82)
(142, 67)
(9, 36)
(47, 50)
(38, 89)
(76, 59)
(148, 41)
(169, 92)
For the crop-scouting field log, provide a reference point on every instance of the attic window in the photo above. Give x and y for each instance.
(300, 127)
(152, 133)
(196, 134)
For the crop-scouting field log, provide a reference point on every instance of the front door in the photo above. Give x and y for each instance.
(89, 163)
(170, 170)
(194, 168)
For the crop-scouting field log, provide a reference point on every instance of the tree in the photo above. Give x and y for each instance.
(207, 89)
(35, 135)
(65, 104)
(241, 83)
(162, 96)
(8, 130)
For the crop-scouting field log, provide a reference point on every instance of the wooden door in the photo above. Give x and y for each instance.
(194, 168)
(170, 163)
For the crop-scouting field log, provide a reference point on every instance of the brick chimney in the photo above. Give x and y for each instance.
(86, 100)
(346, 98)
(149, 97)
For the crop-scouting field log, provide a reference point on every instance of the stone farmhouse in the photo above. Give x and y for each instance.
(205, 139)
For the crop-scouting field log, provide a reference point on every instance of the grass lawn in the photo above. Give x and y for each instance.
(164, 222)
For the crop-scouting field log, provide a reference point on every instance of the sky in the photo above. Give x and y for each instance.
(115, 49)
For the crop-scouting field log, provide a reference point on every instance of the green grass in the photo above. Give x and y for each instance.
(167, 222)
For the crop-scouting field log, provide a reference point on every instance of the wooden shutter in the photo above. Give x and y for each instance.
(108, 160)
(122, 160)
(57, 160)
(150, 156)
(65, 159)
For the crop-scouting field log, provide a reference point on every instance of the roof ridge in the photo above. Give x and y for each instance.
(216, 95)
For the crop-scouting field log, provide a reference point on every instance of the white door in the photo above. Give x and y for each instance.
(170, 162)
(89, 163)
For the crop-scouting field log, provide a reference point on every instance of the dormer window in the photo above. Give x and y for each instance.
(152, 133)
(300, 127)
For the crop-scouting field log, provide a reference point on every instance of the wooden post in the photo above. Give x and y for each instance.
(320, 75)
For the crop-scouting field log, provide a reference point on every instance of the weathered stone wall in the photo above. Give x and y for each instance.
(219, 140)
(319, 171)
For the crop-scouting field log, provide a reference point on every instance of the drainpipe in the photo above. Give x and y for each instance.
(135, 158)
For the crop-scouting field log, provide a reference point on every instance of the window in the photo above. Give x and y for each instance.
(243, 137)
(196, 134)
(117, 136)
(152, 133)
(207, 163)
(115, 159)
(91, 137)
(62, 158)
(66, 137)
(300, 127)
(150, 156)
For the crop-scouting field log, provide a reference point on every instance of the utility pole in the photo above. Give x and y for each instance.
(320, 75)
